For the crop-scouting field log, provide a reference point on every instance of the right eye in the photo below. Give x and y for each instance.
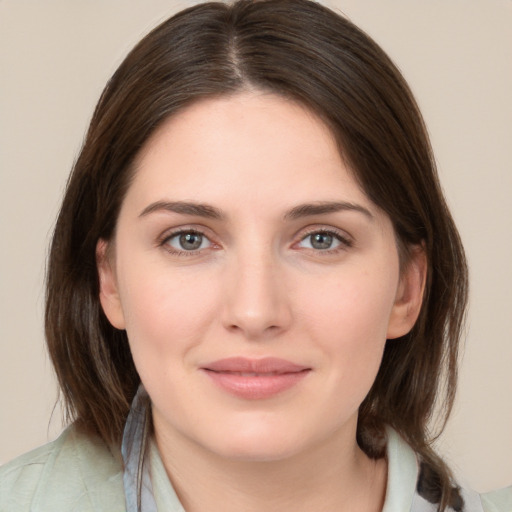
(187, 241)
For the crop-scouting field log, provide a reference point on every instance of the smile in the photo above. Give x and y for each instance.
(252, 374)
(255, 379)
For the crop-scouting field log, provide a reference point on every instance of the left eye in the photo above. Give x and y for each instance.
(188, 241)
(321, 241)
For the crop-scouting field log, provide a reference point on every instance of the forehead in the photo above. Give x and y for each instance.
(247, 146)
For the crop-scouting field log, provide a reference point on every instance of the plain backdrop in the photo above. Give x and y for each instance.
(55, 57)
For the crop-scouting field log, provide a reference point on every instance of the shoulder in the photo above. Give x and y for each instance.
(76, 472)
(407, 483)
(498, 501)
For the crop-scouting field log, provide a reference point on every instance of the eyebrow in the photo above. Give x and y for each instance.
(325, 207)
(185, 208)
(297, 212)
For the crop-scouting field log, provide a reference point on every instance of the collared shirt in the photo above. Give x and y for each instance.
(80, 473)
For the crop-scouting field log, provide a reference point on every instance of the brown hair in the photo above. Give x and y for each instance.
(306, 52)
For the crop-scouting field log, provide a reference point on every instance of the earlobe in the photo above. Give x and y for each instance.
(409, 296)
(109, 294)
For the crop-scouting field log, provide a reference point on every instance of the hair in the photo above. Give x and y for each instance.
(307, 53)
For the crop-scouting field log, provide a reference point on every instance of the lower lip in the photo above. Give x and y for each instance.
(256, 387)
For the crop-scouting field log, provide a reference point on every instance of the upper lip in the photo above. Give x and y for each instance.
(266, 365)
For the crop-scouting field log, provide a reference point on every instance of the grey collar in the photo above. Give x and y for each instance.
(138, 489)
(137, 478)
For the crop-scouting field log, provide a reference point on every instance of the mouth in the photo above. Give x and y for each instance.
(251, 374)
(255, 379)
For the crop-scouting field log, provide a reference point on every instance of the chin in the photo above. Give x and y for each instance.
(256, 451)
(257, 443)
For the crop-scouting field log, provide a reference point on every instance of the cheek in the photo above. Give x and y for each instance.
(351, 302)
(348, 317)
(165, 312)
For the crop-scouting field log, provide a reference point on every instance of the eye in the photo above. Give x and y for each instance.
(187, 241)
(324, 241)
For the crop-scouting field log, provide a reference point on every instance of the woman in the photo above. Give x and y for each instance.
(255, 288)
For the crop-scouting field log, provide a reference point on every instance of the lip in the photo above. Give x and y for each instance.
(255, 379)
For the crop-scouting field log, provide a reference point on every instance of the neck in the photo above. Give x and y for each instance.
(335, 475)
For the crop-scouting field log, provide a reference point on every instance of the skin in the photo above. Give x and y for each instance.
(258, 286)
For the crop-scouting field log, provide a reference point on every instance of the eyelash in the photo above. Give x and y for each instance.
(164, 242)
(345, 242)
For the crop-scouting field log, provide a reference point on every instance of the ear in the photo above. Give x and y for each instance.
(109, 294)
(409, 296)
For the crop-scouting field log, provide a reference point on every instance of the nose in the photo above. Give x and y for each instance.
(257, 303)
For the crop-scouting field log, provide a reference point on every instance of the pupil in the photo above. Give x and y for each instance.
(321, 241)
(190, 241)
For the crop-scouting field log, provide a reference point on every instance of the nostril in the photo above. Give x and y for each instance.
(254, 331)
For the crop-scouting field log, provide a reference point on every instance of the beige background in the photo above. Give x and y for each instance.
(55, 56)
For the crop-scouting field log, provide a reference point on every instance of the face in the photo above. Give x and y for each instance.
(256, 281)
